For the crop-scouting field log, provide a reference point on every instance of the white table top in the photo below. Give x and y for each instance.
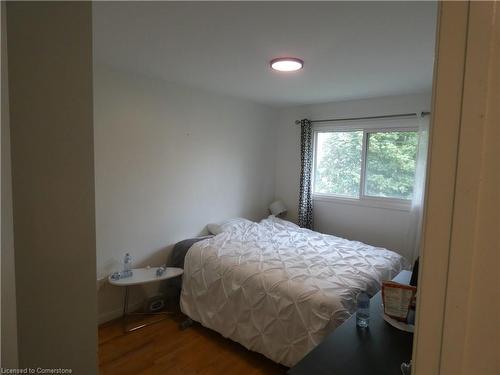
(146, 275)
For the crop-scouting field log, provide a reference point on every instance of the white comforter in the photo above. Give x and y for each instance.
(279, 289)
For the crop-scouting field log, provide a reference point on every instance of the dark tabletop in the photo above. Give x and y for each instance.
(350, 350)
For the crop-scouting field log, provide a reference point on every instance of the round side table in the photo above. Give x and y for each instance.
(141, 276)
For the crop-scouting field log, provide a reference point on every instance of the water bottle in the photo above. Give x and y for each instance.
(127, 265)
(406, 368)
(363, 310)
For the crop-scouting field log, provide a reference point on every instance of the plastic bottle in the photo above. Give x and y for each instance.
(127, 265)
(363, 310)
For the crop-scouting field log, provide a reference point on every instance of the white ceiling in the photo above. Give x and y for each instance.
(351, 50)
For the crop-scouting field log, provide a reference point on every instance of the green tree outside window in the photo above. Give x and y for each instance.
(390, 163)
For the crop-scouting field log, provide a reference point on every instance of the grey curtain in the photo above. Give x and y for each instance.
(306, 156)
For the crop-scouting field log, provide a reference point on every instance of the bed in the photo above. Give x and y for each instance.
(279, 289)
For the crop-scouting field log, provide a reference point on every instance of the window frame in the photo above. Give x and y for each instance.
(371, 126)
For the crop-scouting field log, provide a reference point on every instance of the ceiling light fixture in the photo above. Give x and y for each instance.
(287, 64)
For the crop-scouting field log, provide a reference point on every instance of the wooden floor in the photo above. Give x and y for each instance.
(164, 349)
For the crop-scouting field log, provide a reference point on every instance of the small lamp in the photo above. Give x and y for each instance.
(277, 207)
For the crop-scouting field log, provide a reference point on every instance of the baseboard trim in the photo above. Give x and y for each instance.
(117, 313)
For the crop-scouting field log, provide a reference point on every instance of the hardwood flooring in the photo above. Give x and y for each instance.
(164, 349)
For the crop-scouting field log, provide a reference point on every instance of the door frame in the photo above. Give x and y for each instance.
(464, 114)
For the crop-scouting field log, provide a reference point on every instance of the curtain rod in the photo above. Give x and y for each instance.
(297, 122)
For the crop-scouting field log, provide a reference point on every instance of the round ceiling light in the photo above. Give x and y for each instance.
(287, 64)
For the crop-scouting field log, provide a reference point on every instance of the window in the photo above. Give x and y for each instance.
(365, 163)
(390, 164)
(338, 167)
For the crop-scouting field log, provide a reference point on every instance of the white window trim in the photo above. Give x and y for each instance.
(379, 125)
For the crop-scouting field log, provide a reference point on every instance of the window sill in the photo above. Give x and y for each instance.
(365, 202)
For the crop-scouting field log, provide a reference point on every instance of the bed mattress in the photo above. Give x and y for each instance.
(279, 289)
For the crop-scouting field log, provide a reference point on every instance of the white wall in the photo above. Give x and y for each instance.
(8, 311)
(376, 226)
(168, 160)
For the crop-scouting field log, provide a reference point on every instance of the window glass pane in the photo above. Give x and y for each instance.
(338, 163)
(390, 164)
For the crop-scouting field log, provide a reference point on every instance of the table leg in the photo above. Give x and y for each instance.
(126, 314)
(125, 309)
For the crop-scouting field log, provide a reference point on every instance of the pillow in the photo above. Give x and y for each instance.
(281, 221)
(228, 225)
(214, 228)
